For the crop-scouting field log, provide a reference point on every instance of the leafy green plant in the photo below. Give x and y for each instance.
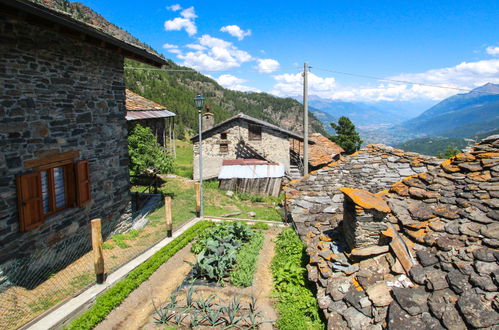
(296, 303)
(247, 256)
(145, 152)
(113, 297)
(260, 226)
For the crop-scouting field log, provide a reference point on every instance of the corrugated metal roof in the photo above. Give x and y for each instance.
(137, 115)
(251, 171)
(243, 161)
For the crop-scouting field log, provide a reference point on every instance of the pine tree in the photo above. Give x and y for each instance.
(346, 135)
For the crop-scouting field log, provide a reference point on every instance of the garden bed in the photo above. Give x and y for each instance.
(138, 309)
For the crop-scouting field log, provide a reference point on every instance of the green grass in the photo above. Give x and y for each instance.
(296, 302)
(183, 162)
(114, 296)
(246, 258)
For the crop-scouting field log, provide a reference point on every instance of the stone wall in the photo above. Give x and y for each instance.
(274, 146)
(58, 95)
(317, 196)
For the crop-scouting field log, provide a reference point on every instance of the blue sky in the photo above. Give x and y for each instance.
(261, 45)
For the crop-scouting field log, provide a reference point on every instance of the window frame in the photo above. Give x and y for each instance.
(254, 132)
(75, 180)
(225, 146)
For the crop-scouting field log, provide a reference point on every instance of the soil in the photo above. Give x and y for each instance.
(137, 310)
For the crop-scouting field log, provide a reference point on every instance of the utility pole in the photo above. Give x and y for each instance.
(305, 118)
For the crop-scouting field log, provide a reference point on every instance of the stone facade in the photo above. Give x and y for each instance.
(273, 146)
(58, 95)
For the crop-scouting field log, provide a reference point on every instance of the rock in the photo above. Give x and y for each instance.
(398, 318)
(475, 312)
(475, 214)
(485, 268)
(355, 319)
(491, 231)
(418, 274)
(379, 294)
(446, 211)
(483, 282)
(336, 321)
(252, 214)
(420, 211)
(452, 228)
(435, 280)
(337, 306)
(324, 300)
(330, 209)
(312, 273)
(439, 299)
(426, 258)
(484, 254)
(229, 193)
(451, 318)
(353, 298)
(412, 300)
(370, 251)
(458, 281)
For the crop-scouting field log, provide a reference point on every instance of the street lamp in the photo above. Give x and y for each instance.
(199, 100)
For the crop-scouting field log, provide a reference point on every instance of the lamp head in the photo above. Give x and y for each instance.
(199, 101)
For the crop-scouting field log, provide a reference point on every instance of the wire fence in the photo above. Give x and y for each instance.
(31, 285)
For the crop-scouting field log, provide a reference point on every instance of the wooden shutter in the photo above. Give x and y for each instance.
(29, 197)
(82, 181)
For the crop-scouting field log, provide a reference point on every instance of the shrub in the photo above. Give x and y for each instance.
(145, 152)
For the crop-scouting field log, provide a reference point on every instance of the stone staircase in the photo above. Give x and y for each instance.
(294, 172)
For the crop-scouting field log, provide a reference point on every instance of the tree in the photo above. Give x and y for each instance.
(449, 152)
(346, 135)
(146, 153)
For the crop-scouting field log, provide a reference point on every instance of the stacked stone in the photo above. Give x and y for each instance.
(448, 219)
(317, 196)
(452, 214)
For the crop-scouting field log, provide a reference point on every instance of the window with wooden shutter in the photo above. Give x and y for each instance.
(82, 181)
(29, 196)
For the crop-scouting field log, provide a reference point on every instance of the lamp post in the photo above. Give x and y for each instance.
(199, 104)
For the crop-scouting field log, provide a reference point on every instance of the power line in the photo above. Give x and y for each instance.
(321, 69)
(403, 81)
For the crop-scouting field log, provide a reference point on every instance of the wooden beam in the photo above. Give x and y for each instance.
(98, 253)
(168, 216)
(51, 159)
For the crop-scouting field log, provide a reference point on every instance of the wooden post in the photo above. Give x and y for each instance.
(168, 216)
(97, 247)
(198, 199)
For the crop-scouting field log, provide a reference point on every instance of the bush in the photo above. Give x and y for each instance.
(296, 305)
(145, 152)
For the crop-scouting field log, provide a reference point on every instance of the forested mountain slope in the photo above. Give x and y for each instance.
(176, 91)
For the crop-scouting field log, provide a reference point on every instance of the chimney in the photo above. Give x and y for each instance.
(208, 119)
(364, 217)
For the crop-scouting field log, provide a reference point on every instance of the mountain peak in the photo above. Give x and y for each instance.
(488, 88)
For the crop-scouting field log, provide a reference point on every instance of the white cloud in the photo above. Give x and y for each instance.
(235, 83)
(169, 46)
(214, 54)
(185, 22)
(175, 51)
(292, 85)
(494, 51)
(195, 46)
(175, 7)
(466, 75)
(267, 65)
(236, 31)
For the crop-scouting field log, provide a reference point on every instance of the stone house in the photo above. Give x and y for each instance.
(63, 132)
(156, 117)
(241, 136)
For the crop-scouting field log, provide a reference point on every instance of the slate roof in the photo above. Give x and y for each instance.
(322, 152)
(77, 18)
(251, 120)
(139, 107)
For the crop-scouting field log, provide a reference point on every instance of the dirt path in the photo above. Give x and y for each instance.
(136, 309)
(136, 312)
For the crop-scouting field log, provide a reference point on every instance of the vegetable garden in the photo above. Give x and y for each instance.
(219, 275)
